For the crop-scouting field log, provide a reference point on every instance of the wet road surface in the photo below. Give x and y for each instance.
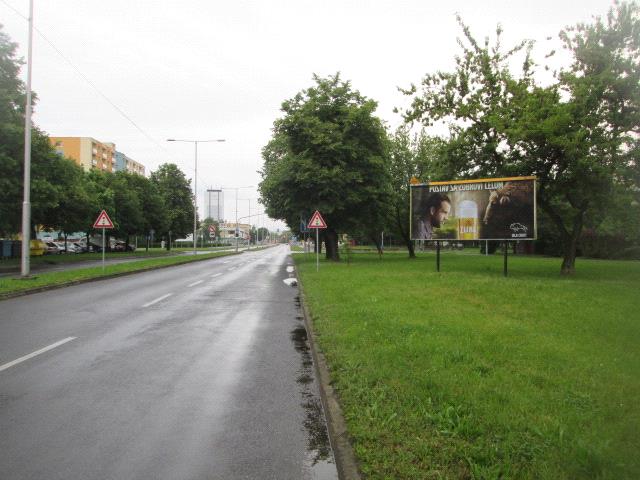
(201, 371)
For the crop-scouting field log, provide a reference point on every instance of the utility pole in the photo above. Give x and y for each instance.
(26, 202)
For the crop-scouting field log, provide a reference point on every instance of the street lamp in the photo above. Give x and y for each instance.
(249, 200)
(195, 184)
(236, 189)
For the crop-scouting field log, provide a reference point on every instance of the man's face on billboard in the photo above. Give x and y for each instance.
(440, 215)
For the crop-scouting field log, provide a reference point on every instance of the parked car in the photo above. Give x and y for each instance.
(121, 246)
(52, 249)
(36, 248)
(69, 248)
(80, 247)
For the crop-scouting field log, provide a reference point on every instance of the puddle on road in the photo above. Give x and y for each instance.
(320, 461)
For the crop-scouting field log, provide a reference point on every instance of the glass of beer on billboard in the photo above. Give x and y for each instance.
(468, 220)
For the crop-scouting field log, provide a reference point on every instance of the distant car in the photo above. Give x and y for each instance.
(51, 248)
(70, 247)
(121, 246)
(80, 247)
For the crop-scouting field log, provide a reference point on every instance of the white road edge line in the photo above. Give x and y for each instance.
(216, 275)
(195, 283)
(31, 355)
(159, 299)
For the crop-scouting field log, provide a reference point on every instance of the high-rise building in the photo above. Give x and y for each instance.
(214, 205)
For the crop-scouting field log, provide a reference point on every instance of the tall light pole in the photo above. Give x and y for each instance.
(236, 189)
(26, 201)
(248, 200)
(195, 184)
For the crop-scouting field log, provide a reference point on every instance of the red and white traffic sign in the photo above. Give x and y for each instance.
(103, 221)
(317, 221)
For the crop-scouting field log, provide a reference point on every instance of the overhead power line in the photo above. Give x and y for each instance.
(89, 81)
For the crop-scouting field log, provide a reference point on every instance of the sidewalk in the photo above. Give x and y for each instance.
(13, 270)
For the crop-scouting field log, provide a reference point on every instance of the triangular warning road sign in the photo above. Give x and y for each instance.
(103, 221)
(317, 221)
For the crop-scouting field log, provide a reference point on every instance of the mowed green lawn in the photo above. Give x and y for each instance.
(467, 374)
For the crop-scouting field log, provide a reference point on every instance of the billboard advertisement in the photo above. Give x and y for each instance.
(486, 209)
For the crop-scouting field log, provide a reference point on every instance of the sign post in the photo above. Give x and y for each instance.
(103, 221)
(317, 222)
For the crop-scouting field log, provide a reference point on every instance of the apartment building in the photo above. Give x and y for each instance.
(87, 152)
(126, 164)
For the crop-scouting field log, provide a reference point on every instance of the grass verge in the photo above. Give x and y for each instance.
(9, 263)
(466, 374)
(9, 286)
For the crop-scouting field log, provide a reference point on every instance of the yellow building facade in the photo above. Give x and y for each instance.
(87, 152)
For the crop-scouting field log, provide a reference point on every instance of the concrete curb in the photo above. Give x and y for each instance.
(346, 462)
(44, 288)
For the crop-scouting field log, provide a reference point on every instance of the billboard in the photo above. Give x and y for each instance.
(486, 209)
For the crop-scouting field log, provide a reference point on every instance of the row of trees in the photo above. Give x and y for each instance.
(63, 196)
(579, 135)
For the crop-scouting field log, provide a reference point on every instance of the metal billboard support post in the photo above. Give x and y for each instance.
(506, 254)
(438, 256)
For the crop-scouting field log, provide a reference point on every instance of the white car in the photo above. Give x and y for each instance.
(51, 248)
(71, 248)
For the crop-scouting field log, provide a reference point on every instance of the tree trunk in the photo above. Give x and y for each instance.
(569, 239)
(405, 234)
(571, 246)
(376, 240)
(331, 245)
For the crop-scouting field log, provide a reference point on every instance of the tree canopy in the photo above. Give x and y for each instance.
(579, 136)
(327, 153)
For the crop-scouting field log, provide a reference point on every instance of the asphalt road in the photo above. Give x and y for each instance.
(200, 371)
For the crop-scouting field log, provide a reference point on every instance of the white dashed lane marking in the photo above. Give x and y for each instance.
(159, 299)
(36, 353)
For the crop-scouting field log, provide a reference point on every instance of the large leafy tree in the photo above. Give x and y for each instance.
(579, 136)
(58, 196)
(175, 191)
(327, 153)
(411, 156)
(12, 102)
(69, 206)
(152, 213)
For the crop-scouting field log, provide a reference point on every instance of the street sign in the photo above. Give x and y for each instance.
(103, 221)
(317, 221)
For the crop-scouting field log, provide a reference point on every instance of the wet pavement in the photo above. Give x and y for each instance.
(201, 371)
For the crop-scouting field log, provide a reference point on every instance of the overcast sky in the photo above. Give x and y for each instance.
(203, 69)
